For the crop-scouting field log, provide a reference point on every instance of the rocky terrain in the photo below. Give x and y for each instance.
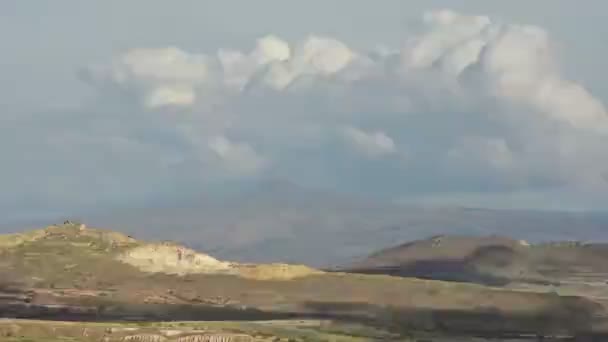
(71, 272)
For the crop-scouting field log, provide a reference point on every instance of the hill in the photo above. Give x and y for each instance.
(492, 260)
(74, 272)
(78, 246)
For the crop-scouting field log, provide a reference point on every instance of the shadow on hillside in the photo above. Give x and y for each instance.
(490, 265)
(445, 270)
(567, 320)
(136, 313)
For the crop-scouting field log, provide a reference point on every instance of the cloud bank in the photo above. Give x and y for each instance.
(465, 105)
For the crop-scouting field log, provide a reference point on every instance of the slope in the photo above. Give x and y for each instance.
(77, 273)
(491, 260)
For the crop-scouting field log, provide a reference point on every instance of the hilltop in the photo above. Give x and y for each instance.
(80, 246)
(492, 260)
(74, 272)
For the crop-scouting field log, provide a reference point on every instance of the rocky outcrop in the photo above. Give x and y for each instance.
(173, 259)
(170, 258)
(69, 231)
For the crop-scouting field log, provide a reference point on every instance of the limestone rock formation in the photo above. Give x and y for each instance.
(173, 259)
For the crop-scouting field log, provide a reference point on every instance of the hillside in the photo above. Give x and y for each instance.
(492, 260)
(74, 272)
(74, 246)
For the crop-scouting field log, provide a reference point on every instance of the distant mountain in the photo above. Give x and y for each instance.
(277, 221)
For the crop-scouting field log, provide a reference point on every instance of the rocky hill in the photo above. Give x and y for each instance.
(491, 260)
(167, 257)
(73, 272)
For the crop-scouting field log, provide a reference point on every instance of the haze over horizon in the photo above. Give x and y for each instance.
(449, 103)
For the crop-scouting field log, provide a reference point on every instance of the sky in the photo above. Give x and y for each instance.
(112, 104)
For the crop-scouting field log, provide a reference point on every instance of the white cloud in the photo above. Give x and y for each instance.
(519, 65)
(271, 49)
(462, 78)
(323, 55)
(316, 56)
(371, 144)
(478, 104)
(170, 96)
(446, 32)
(239, 68)
(159, 76)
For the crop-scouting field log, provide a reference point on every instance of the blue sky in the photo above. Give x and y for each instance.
(112, 103)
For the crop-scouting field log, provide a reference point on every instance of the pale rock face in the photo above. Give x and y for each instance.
(173, 259)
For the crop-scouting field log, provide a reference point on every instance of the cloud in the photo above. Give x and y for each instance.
(238, 158)
(170, 96)
(479, 105)
(519, 66)
(161, 65)
(159, 76)
(373, 144)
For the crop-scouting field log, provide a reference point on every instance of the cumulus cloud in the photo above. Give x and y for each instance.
(478, 104)
(480, 95)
